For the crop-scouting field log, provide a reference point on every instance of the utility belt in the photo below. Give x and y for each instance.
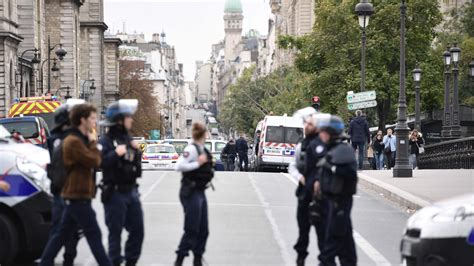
(108, 189)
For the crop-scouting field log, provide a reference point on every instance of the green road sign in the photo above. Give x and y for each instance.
(155, 134)
(361, 105)
(360, 96)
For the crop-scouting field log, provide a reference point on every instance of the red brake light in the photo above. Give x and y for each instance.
(175, 156)
(144, 157)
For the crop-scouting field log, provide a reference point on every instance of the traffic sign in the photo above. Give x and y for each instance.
(361, 105)
(360, 96)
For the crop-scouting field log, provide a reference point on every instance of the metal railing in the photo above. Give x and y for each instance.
(452, 154)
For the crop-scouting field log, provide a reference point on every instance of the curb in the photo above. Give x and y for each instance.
(392, 193)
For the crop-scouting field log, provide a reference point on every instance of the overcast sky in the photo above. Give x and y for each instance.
(192, 26)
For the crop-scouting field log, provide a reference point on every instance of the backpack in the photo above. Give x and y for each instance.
(203, 176)
(57, 171)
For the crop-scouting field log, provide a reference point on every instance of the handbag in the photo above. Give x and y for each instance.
(421, 149)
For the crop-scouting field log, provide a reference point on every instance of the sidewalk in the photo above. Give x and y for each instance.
(424, 188)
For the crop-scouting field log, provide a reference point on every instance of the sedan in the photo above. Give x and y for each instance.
(159, 156)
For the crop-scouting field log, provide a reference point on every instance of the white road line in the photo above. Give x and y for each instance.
(276, 232)
(156, 183)
(222, 204)
(361, 242)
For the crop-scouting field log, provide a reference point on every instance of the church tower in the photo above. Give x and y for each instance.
(233, 28)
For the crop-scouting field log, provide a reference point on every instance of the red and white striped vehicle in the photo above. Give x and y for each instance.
(278, 138)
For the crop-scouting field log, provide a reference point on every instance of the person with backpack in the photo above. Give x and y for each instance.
(197, 170)
(121, 166)
(57, 173)
(229, 153)
(81, 157)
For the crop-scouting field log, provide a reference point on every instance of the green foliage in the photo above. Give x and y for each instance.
(468, 20)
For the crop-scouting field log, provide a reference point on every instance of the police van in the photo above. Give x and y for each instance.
(278, 139)
(25, 209)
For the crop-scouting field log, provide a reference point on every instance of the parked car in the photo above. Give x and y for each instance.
(25, 210)
(33, 129)
(216, 146)
(179, 144)
(159, 156)
(438, 235)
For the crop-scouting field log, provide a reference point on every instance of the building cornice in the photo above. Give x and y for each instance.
(7, 34)
(118, 41)
(94, 24)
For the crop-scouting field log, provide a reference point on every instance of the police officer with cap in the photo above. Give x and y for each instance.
(121, 164)
(198, 171)
(338, 179)
(310, 209)
(58, 133)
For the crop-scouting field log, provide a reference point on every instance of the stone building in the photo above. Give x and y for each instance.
(203, 82)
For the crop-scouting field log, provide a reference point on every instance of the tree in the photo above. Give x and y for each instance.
(133, 86)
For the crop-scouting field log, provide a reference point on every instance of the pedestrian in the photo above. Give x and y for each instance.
(57, 174)
(338, 179)
(81, 156)
(416, 142)
(378, 148)
(360, 135)
(121, 166)
(390, 148)
(257, 141)
(230, 153)
(242, 150)
(198, 171)
(310, 209)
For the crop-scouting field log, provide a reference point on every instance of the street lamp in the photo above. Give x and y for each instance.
(55, 69)
(86, 92)
(34, 61)
(446, 132)
(417, 78)
(364, 10)
(60, 53)
(402, 167)
(456, 57)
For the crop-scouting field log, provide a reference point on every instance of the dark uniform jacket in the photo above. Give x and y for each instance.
(241, 146)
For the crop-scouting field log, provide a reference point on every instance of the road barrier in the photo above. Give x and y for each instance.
(452, 154)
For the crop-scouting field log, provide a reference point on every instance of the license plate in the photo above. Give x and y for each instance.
(406, 248)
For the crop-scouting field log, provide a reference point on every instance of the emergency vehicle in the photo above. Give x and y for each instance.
(43, 107)
(25, 209)
(278, 139)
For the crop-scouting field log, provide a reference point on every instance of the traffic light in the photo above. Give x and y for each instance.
(315, 103)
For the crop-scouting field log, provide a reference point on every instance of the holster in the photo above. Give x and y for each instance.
(107, 191)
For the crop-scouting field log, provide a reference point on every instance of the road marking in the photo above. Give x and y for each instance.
(222, 204)
(361, 242)
(276, 232)
(156, 183)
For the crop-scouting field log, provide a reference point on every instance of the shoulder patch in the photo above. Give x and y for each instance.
(319, 149)
(186, 154)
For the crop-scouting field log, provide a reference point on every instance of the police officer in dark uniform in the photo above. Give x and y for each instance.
(61, 128)
(338, 179)
(198, 171)
(121, 164)
(310, 209)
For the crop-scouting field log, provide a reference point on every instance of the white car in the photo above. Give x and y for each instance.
(441, 234)
(159, 156)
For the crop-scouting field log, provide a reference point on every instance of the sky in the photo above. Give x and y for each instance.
(192, 26)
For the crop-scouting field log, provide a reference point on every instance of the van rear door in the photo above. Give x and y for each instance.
(273, 147)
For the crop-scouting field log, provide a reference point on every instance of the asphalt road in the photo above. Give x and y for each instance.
(252, 222)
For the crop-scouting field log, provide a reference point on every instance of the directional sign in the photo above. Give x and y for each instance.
(361, 105)
(360, 97)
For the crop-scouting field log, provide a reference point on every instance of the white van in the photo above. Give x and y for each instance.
(278, 139)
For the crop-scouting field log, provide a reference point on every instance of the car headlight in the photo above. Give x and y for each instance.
(34, 172)
(451, 215)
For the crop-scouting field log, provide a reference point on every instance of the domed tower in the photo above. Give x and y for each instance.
(233, 28)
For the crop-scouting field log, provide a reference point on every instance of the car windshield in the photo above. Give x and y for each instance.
(208, 146)
(160, 149)
(28, 129)
(48, 118)
(220, 146)
(179, 146)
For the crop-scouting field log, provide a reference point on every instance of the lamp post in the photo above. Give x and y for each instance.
(54, 69)
(35, 60)
(456, 57)
(446, 132)
(402, 167)
(87, 92)
(364, 10)
(60, 53)
(417, 78)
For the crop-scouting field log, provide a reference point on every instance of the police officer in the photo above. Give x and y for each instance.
(308, 153)
(121, 164)
(338, 179)
(62, 128)
(196, 166)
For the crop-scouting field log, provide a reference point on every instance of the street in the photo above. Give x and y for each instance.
(252, 222)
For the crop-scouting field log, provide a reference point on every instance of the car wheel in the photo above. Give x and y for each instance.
(9, 243)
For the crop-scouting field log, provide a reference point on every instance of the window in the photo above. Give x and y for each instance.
(293, 134)
(26, 129)
(289, 135)
(275, 134)
(160, 149)
(220, 146)
(208, 146)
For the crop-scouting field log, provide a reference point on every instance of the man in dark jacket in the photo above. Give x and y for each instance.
(229, 153)
(121, 164)
(242, 149)
(360, 135)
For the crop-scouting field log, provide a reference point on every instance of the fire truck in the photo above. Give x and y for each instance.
(43, 107)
